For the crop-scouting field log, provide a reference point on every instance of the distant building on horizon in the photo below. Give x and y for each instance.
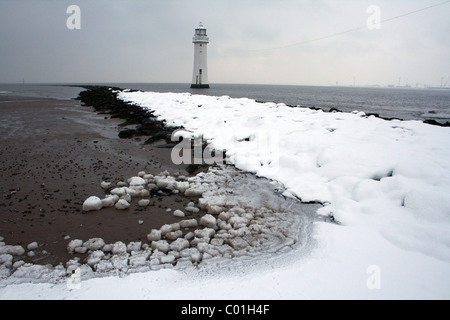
(200, 74)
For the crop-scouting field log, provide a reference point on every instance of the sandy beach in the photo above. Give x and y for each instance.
(53, 155)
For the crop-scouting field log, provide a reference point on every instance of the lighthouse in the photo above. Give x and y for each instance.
(200, 74)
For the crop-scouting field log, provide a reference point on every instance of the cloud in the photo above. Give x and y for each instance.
(150, 41)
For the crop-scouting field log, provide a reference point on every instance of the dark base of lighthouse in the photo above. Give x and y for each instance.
(199, 86)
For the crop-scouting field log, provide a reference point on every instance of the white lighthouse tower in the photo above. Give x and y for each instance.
(200, 75)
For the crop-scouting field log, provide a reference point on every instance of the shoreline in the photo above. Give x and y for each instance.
(55, 153)
(76, 152)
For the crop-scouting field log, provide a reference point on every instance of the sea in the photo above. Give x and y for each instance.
(403, 103)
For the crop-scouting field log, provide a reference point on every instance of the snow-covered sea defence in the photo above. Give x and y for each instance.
(384, 183)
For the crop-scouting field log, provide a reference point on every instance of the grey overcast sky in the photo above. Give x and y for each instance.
(251, 41)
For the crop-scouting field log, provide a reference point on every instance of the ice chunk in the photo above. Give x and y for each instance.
(167, 259)
(154, 235)
(95, 257)
(188, 223)
(174, 235)
(143, 202)
(134, 246)
(138, 261)
(237, 243)
(92, 203)
(121, 191)
(169, 228)
(94, 244)
(178, 213)
(182, 186)
(208, 220)
(141, 174)
(80, 249)
(110, 200)
(161, 245)
(120, 261)
(136, 181)
(6, 260)
(73, 244)
(204, 233)
(119, 247)
(192, 192)
(179, 244)
(122, 204)
(192, 209)
(32, 246)
(105, 185)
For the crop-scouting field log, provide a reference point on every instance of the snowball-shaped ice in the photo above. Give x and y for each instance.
(94, 244)
(105, 185)
(167, 259)
(95, 257)
(122, 204)
(188, 223)
(143, 202)
(161, 245)
(154, 235)
(136, 181)
(92, 203)
(174, 235)
(12, 250)
(179, 244)
(119, 247)
(32, 246)
(74, 244)
(110, 200)
(178, 213)
(134, 246)
(208, 220)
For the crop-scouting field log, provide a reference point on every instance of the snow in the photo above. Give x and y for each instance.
(380, 233)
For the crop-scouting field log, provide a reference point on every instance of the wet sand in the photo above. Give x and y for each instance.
(53, 155)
